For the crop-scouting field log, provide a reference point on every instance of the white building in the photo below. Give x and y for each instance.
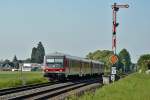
(26, 67)
(30, 67)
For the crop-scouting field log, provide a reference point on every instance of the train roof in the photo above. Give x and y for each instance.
(55, 54)
(58, 54)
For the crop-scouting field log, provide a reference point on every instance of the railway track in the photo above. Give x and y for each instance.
(23, 88)
(47, 92)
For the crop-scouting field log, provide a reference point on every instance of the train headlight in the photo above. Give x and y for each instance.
(46, 70)
(60, 70)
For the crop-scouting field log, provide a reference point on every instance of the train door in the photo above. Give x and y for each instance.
(81, 72)
(91, 66)
(66, 65)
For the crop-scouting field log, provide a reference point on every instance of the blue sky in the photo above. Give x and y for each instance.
(74, 27)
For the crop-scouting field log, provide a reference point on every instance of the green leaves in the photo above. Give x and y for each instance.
(124, 60)
(15, 62)
(104, 56)
(38, 53)
(101, 55)
(143, 62)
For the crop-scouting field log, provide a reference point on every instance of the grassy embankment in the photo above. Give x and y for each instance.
(132, 87)
(14, 79)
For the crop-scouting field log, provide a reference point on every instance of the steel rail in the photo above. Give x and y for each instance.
(40, 95)
(23, 88)
(58, 92)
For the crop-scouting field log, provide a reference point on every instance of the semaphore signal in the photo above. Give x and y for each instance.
(114, 58)
(115, 8)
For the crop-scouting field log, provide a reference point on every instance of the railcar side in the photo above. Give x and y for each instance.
(61, 66)
(73, 68)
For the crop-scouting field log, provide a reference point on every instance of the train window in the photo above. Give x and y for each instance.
(50, 60)
(54, 62)
(59, 60)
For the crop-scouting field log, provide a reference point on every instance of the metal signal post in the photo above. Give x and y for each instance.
(115, 8)
(114, 58)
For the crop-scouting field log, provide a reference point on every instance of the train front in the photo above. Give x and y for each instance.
(54, 67)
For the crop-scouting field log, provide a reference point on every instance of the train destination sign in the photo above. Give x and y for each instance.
(113, 59)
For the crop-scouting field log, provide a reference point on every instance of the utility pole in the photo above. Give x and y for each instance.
(114, 58)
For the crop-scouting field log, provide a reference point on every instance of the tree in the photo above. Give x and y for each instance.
(124, 60)
(15, 62)
(89, 56)
(15, 59)
(28, 60)
(101, 55)
(34, 55)
(38, 54)
(8, 62)
(143, 62)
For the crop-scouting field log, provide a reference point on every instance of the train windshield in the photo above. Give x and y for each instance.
(54, 62)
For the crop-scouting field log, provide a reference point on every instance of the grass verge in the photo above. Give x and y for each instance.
(14, 79)
(133, 87)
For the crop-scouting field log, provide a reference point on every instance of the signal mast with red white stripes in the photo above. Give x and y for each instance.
(114, 58)
(115, 8)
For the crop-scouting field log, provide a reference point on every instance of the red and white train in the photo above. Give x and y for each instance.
(58, 66)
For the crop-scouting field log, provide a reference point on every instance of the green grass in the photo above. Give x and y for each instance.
(14, 79)
(132, 87)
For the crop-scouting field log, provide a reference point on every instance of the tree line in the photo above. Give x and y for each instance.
(7, 63)
(37, 56)
(143, 62)
(124, 63)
